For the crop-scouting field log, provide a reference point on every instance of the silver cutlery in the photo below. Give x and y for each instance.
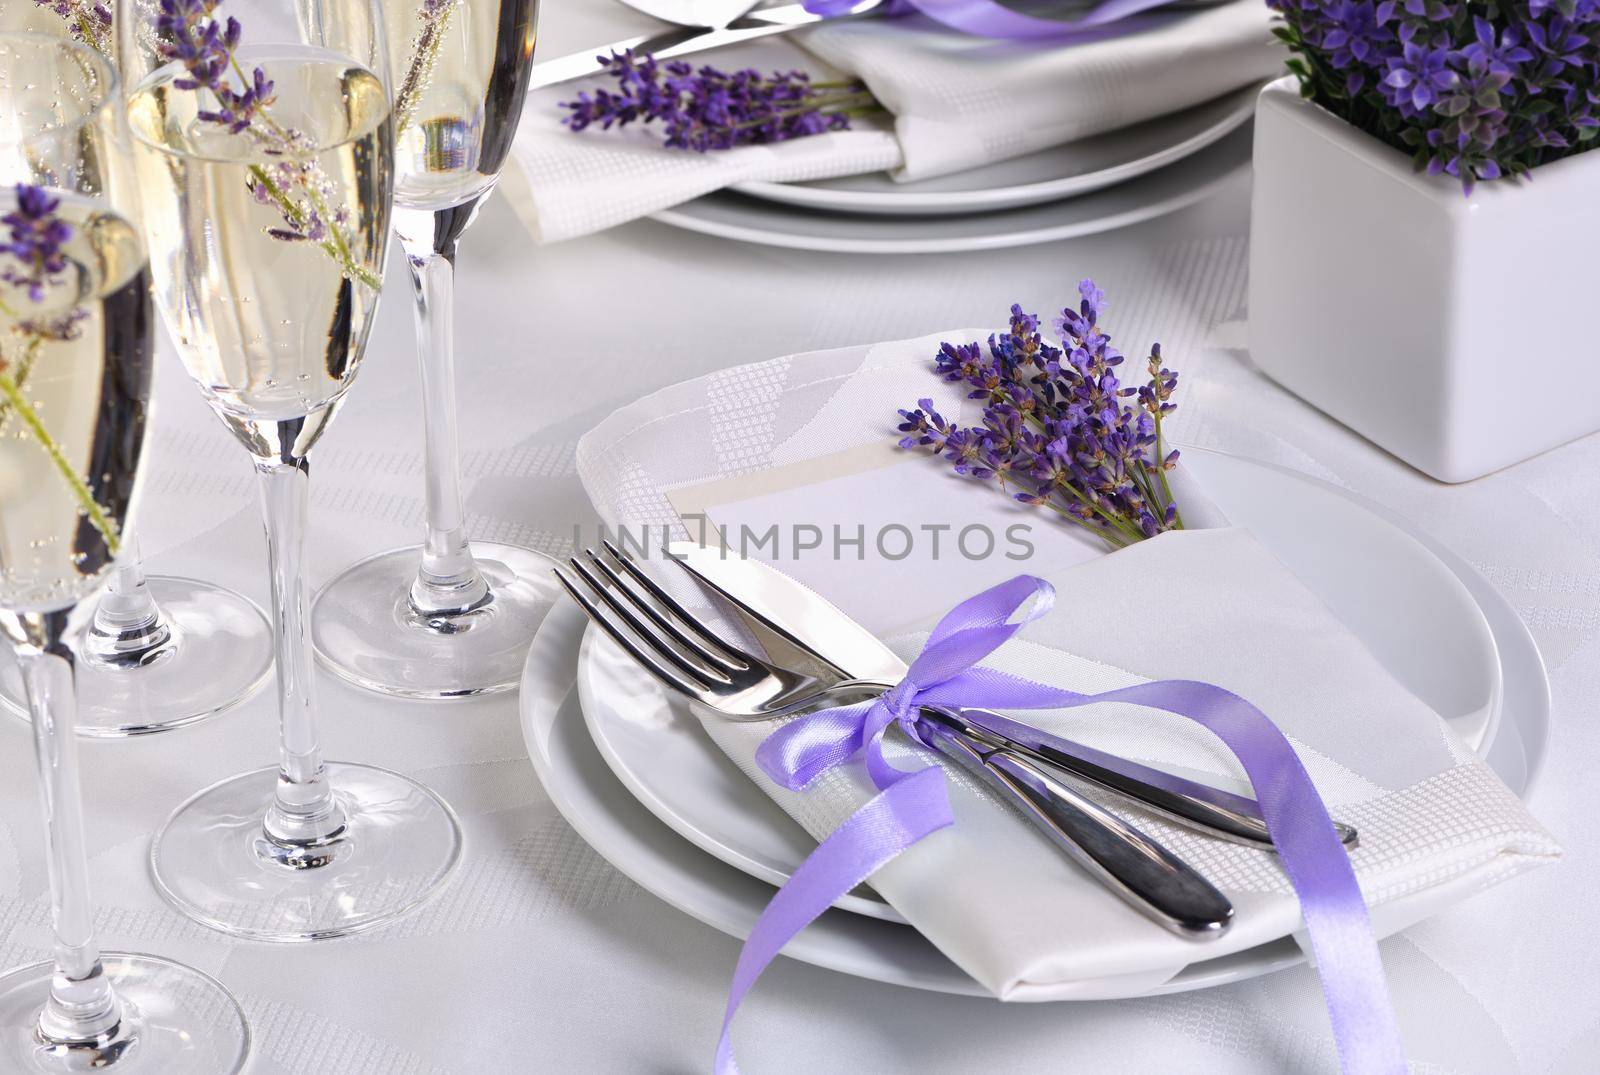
(682, 40)
(782, 612)
(684, 654)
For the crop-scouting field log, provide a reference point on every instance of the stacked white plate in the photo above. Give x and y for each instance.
(636, 775)
(1097, 184)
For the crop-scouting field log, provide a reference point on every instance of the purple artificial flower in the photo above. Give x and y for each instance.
(1475, 91)
(1416, 79)
(708, 109)
(37, 236)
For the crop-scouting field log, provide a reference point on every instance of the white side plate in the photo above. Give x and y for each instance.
(1049, 175)
(734, 216)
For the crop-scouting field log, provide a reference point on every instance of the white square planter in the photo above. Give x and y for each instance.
(1458, 333)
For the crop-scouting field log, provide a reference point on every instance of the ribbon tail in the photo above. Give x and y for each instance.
(892, 821)
(1354, 986)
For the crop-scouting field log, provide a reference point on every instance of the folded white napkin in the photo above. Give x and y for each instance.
(801, 440)
(957, 101)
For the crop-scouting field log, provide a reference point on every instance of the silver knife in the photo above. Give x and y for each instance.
(1142, 872)
(772, 602)
(683, 40)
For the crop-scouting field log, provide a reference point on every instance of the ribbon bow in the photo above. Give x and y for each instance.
(912, 804)
(988, 18)
(944, 673)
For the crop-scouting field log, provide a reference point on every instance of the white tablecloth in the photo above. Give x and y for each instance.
(540, 956)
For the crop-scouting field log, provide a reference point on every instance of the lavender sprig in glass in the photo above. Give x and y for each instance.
(33, 261)
(433, 19)
(191, 34)
(88, 20)
(711, 109)
(1059, 430)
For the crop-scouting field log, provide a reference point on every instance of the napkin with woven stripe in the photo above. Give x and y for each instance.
(807, 440)
(956, 102)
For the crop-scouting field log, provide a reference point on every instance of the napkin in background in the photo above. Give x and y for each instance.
(1209, 604)
(957, 101)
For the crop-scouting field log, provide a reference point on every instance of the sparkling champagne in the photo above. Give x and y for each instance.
(462, 74)
(75, 367)
(267, 243)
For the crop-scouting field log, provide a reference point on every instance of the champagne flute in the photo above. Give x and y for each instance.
(448, 619)
(160, 652)
(264, 143)
(76, 349)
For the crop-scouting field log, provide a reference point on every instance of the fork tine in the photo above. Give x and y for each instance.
(754, 616)
(644, 657)
(694, 670)
(735, 661)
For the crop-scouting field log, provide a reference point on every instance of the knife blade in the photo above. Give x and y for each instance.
(685, 40)
(773, 604)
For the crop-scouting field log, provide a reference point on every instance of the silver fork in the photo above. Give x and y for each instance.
(687, 656)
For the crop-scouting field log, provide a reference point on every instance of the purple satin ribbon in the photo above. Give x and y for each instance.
(910, 805)
(986, 18)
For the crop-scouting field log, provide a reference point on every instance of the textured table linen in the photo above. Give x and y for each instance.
(540, 957)
(956, 102)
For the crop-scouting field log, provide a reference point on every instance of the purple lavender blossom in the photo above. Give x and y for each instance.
(191, 33)
(35, 243)
(87, 20)
(710, 109)
(1471, 90)
(1058, 428)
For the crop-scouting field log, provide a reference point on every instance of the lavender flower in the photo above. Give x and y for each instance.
(189, 32)
(1059, 430)
(1474, 91)
(711, 109)
(88, 20)
(37, 236)
(33, 261)
(433, 16)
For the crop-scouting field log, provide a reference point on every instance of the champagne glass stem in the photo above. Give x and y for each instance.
(128, 629)
(81, 1006)
(304, 813)
(448, 582)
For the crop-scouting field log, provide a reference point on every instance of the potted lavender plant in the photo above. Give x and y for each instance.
(1423, 223)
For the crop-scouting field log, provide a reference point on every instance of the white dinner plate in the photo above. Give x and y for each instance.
(1049, 175)
(735, 216)
(604, 812)
(1412, 612)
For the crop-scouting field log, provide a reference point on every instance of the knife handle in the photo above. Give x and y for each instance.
(1217, 813)
(1142, 872)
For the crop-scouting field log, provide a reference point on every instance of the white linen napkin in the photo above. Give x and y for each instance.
(801, 440)
(957, 101)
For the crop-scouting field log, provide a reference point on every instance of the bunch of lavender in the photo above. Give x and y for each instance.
(711, 109)
(1475, 90)
(1058, 429)
(190, 32)
(33, 260)
(88, 20)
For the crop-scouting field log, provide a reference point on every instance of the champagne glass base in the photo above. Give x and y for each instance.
(366, 631)
(220, 654)
(213, 862)
(175, 1021)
